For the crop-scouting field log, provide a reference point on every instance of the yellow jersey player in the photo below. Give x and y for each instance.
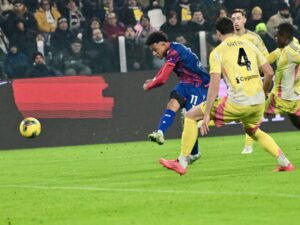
(240, 62)
(239, 19)
(285, 95)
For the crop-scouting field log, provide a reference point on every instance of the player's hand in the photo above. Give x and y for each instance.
(145, 86)
(204, 127)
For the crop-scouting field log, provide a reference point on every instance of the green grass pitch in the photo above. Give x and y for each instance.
(123, 184)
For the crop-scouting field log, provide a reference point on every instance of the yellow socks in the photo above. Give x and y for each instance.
(189, 136)
(248, 140)
(267, 142)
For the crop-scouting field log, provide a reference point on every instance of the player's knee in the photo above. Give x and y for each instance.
(250, 131)
(193, 114)
(173, 105)
(175, 97)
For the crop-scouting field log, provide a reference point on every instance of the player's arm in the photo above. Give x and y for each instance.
(161, 77)
(213, 90)
(273, 56)
(268, 72)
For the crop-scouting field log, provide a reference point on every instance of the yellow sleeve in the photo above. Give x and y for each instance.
(273, 56)
(261, 59)
(215, 62)
(261, 47)
(297, 58)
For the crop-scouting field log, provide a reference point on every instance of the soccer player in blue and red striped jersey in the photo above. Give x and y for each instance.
(191, 89)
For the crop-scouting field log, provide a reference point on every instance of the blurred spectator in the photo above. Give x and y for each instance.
(212, 38)
(118, 6)
(145, 31)
(183, 10)
(100, 53)
(153, 4)
(172, 27)
(193, 27)
(24, 37)
(46, 17)
(156, 15)
(182, 40)
(167, 7)
(4, 42)
(131, 13)
(96, 8)
(255, 18)
(94, 23)
(32, 5)
(74, 16)
(16, 63)
(3, 51)
(39, 67)
(112, 28)
(40, 44)
(283, 16)
(222, 12)
(74, 61)
(198, 21)
(61, 38)
(269, 7)
(270, 43)
(5, 5)
(237, 4)
(108, 5)
(19, 11)
(135, 54)
(209, 7)
(294, 7)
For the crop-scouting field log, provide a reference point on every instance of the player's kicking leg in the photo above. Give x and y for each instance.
(166, 121)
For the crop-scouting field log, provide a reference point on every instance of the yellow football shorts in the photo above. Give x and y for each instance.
(277, 105)
(224, 111)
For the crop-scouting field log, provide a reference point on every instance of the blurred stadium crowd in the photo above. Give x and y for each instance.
(73, 37)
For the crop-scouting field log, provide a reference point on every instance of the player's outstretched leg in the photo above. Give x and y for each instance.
(270, 146)
(165, 122)
(248, 149)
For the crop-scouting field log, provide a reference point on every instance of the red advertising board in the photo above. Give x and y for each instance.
(63, 97)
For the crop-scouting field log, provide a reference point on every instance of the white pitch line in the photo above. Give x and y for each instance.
(166, 191)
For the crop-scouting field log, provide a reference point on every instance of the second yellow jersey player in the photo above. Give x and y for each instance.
(285, 95)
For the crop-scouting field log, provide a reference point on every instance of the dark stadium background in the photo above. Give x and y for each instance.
(135, 113)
